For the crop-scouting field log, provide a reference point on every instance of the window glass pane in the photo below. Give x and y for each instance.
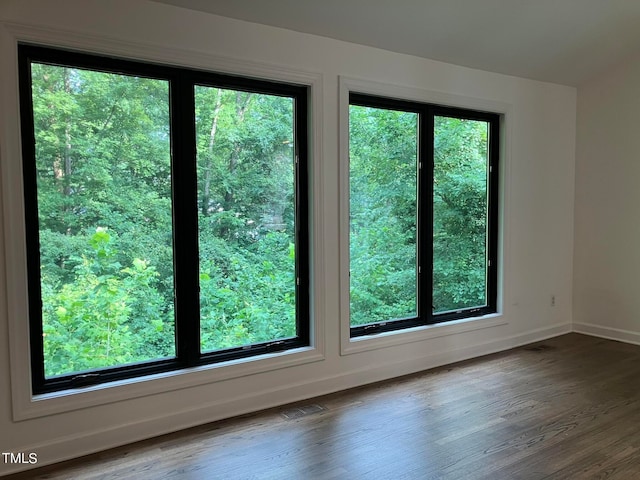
(383, 214)
(246, 201)
(104, 211)
(460, 213)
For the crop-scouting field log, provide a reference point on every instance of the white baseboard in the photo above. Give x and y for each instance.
(74, 446)
(609, 333)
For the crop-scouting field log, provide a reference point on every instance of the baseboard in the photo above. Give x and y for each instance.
(75, 446)
(609, 333)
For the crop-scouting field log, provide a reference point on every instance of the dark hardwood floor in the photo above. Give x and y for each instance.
(565, 408)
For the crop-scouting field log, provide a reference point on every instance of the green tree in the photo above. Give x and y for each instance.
(383, 213)
(103, 161)
(107, 316)
(383, 209)
(460, 213)
(246, 217)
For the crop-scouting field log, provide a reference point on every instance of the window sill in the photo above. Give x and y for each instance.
(418, 334)
(77, 398)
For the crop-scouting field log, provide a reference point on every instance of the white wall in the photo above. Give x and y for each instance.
(607, 221)
(537, 223)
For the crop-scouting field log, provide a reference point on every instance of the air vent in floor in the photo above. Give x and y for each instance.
(302, 411)
(540, 348)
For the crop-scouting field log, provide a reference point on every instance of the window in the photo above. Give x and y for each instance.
(422, 213)
(166, 216)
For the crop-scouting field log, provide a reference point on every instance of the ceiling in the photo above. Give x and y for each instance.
(559, 41)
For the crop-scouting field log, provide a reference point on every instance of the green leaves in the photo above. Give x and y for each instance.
(459, 213)
(106, 316)
(105, 215)
(102, 160)
(105, 218)
(246, 226)
(384, 210)
(104, 205)
(249, 296)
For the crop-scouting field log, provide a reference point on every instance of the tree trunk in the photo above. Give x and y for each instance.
(67, 139)
(242, 104)
(243, 99)
(206, 196)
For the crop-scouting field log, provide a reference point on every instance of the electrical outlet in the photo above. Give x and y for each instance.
(553, 300)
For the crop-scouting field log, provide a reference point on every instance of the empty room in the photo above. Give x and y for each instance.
(339, 239)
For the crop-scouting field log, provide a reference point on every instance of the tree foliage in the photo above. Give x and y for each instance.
(246, 217)
(103, 162)
(383, 199)
(459, 213)
(105, 217)
(383, 214)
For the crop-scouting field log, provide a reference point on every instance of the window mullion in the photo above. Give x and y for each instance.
(425, 215)
(185, 220)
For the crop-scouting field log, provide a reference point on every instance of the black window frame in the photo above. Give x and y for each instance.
(182, 82)
(424, 269)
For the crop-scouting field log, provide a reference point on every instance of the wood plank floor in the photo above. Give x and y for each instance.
(565, 408)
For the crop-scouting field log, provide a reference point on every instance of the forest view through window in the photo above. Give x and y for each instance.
(104, 213)
(246, 217)
(422, 213)
(383, 215)
(460, 213)
(166, 217)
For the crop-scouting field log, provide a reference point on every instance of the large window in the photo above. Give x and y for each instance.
(166, 217)
(422, 213)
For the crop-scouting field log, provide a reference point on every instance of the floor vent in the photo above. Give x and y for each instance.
(540, 348)
(303, 411)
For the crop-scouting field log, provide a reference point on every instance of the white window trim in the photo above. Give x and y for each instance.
(25, 404)
(348, 84)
